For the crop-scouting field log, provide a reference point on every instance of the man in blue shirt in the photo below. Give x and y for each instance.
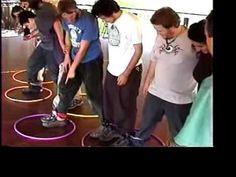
(82, 63)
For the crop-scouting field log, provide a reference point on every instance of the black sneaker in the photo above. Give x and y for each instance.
(51, 121)
(97, 132)
(32, 89)
(75, 103)
(48, 118)
(121, 142)
(109, 134)
(136, 141)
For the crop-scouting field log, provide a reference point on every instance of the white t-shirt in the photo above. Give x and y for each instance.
(173, 81)
(122, 35)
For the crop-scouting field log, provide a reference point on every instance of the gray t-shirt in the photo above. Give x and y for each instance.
(173, 81)
(45, 17)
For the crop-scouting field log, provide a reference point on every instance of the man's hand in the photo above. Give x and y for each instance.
(66, 49)
(145, 89)
(27, 37)
(67, 63)
(122, 80)
(70, 74)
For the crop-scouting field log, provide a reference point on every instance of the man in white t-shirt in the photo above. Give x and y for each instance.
(123, 72)
(169, 84)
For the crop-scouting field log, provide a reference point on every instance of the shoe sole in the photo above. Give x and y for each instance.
(62, 124)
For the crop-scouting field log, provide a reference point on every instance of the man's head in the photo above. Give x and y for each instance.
(27, 19)
(209, 32)
(197, 36)
(106, 10)
(16, 10)
(24, 4)
(165, 21)
(68, 10)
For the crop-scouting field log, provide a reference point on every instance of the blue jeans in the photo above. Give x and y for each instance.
(155, 108)
(39, 59)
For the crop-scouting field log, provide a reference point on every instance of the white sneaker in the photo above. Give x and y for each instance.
(40, 75)
(74, 103)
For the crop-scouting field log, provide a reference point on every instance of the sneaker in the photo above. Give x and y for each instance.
(53, 114)
(136, 141)
(32, 89)
(121, 142)
(48, 118)
(40, 75)
(97, 132)
(75, 103)
(51, 121)
(109, 134)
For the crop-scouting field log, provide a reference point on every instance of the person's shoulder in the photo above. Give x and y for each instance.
(87, 16)
(85, 13)
(207, 83)
(131, 16)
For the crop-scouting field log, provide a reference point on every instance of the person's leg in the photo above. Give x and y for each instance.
(68, 91)
(41, 72)
(35, 63)
(152, 114)
(110, 100)
(52, 65)
(126, 108)
(176, 115)
(66, 94)
(92, 78)
(110, 97)
(92, 75)
(75, 102)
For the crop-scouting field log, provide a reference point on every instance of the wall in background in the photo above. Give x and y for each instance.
(189, 6)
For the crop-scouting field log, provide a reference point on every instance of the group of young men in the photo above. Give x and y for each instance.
(169, 86)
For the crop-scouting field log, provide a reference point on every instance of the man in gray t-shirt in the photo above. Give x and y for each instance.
(47, 26)
(45, 17)
(169, 85)
(49, 52)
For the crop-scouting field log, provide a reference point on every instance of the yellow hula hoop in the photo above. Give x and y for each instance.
(26, 101)
(24, 82)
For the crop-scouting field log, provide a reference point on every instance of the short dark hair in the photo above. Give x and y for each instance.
(16, 9)
(65, 6)
(166, 17)
(34, 4)
(209, 24)
(105, 8)
(24, 16)
(196, 32)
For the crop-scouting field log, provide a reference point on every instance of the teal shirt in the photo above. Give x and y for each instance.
(197, 130)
